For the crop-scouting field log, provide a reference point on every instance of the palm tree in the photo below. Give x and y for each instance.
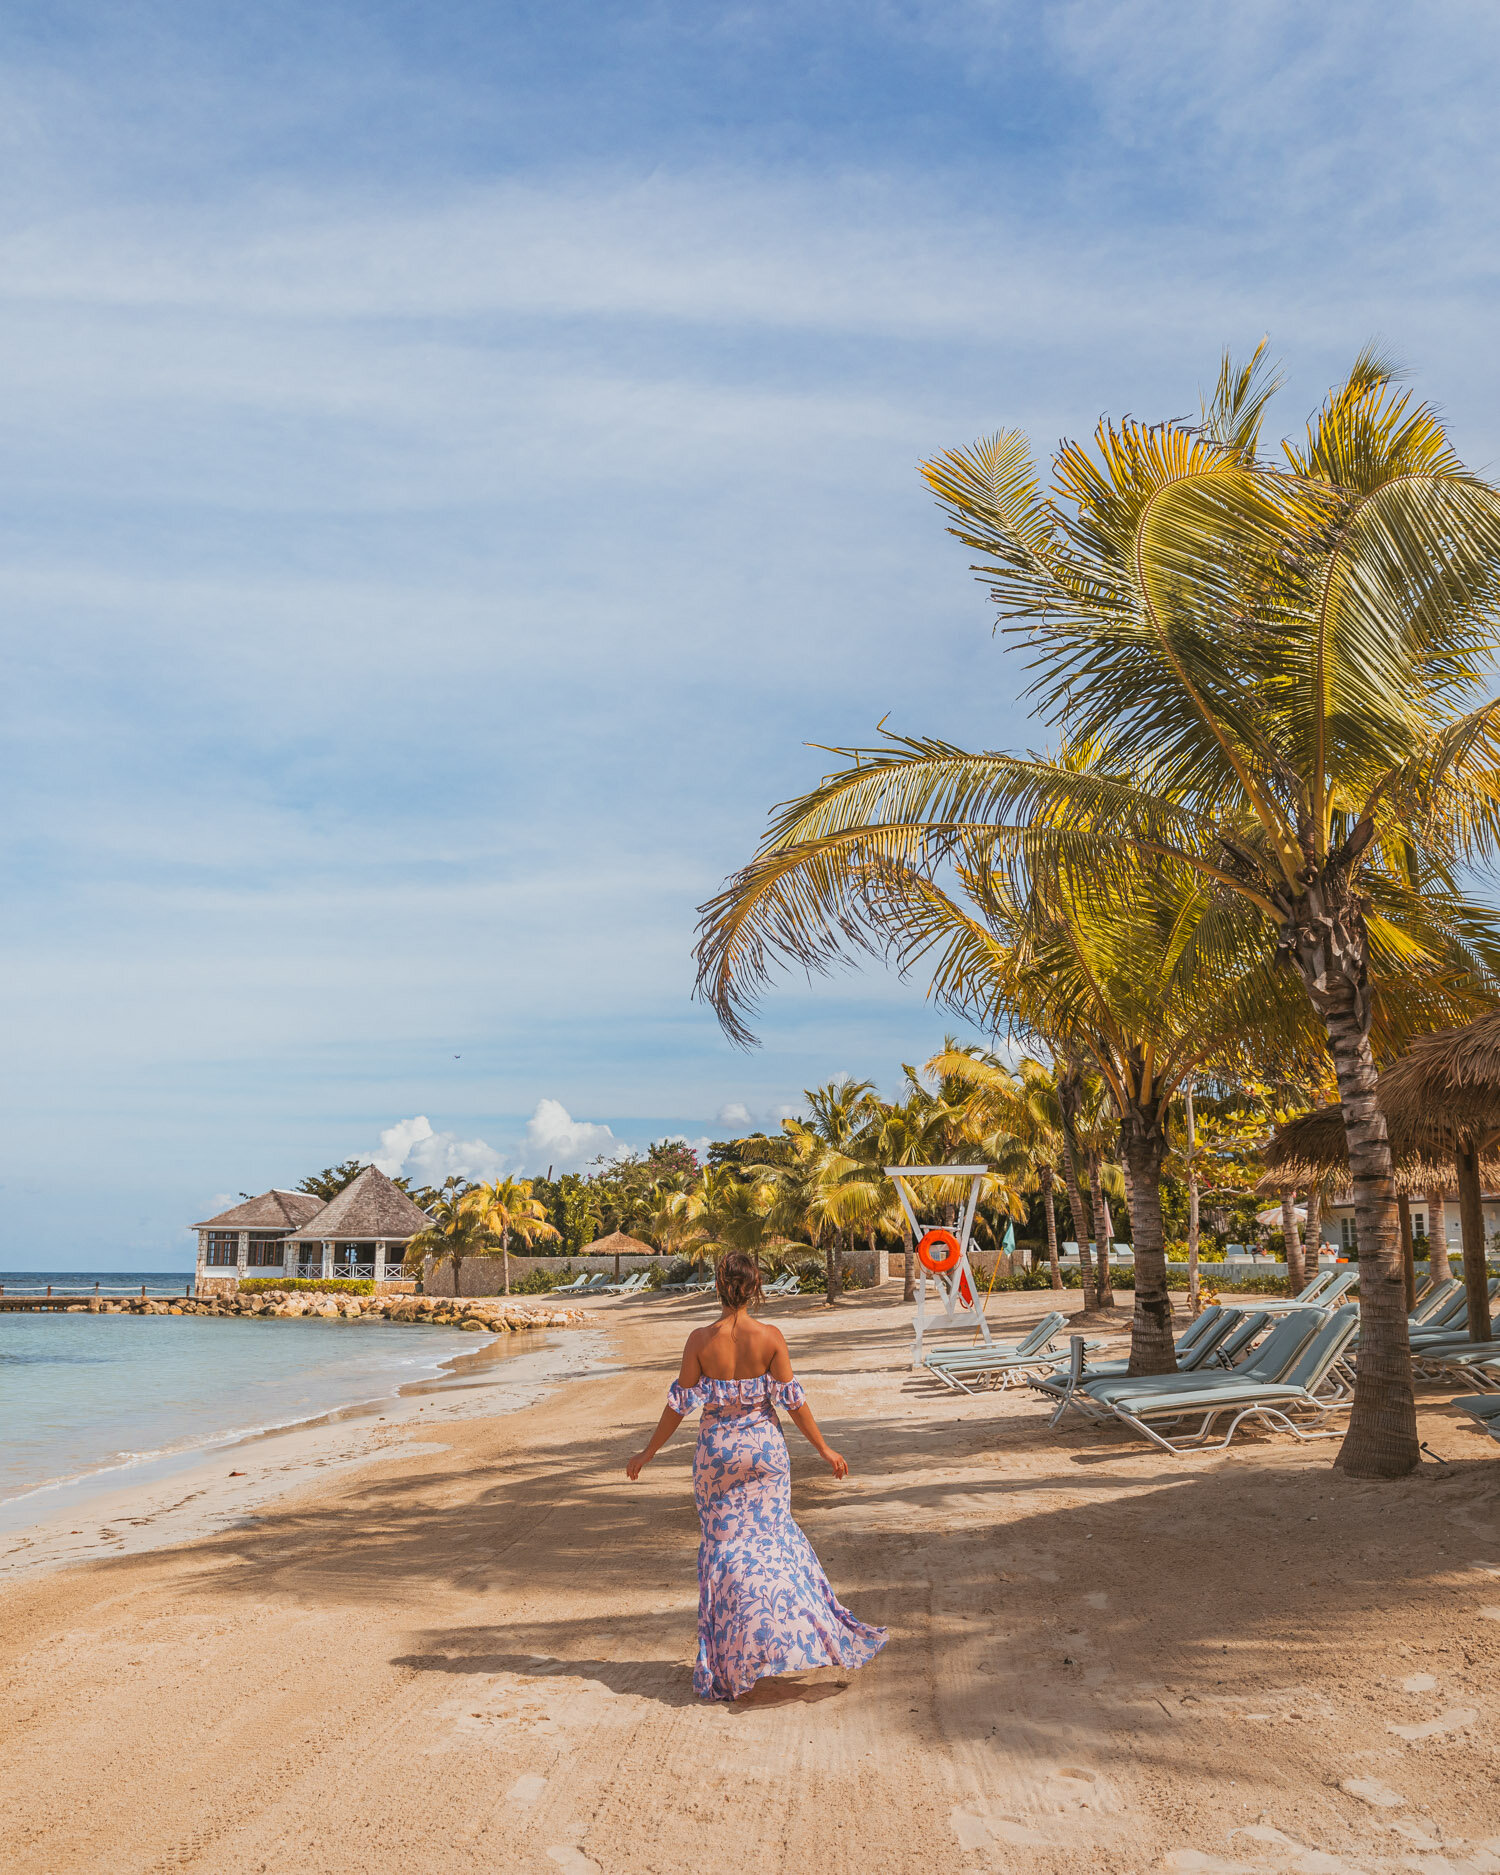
(507, 1206)
(828, 1177)
(721, 1210)
(1288, 656)
(454, 1233)
(1022, 1101)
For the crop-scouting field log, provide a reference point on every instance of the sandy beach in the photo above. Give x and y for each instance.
(467, 1646)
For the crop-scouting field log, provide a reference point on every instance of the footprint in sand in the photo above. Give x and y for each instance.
(1073, 1787)
(1455, 1720)
(983, 1832)
(1370, 1790)
(1419, 1683)
(526, 1789)
(569, 1857)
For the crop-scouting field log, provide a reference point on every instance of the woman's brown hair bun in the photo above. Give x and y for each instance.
(738, 1279)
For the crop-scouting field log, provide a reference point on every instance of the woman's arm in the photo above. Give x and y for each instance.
(665, 1427)
(802, 1419)
(802, 1416)
(688, 1375)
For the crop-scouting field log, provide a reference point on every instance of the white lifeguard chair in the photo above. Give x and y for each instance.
(951, 1277)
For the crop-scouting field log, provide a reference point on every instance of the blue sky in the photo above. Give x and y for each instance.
(455, 458)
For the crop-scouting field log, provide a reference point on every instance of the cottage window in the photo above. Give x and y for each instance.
(1348, 1240)
(265, 1252)
(223, 1246)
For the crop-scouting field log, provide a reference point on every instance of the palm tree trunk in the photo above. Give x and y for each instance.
(1437, 1238)
(1471, 1227)
(1382, 1438)
(1192, 1143)
(1046, 1175)
(505, 1257)
(1312, 1242)
(908, 1263)
(1080, 1221)
(1291, 1242)
(834, 1274)
(1101, 1231)
(1143, 1141)
(1408, 1250)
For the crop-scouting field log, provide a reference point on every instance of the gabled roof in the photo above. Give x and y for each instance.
(369, 1207)
(272, 1210)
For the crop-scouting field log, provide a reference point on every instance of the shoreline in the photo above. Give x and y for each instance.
(180, 1496)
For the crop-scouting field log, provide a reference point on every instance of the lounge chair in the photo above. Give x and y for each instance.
(1451, 1321)
(1298, 1391)
(1437, 1298)
(787, 1284)
(572, 1288)
(1483, 1409)
(1218, 1337)
(957, 1367)
(632, 1285)
(1326, 1292)
(1095, 1398)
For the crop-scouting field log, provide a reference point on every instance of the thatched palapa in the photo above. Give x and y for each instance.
(616, 1245)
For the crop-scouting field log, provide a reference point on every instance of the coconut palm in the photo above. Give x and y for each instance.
(1288, 655)
(454, 1233)
(719, 1210)
(506, 1207)
(1023, 1101)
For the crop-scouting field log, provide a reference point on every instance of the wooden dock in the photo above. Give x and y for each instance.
(20, 1304)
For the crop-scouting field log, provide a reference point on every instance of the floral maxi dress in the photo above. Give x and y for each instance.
(764, 1603)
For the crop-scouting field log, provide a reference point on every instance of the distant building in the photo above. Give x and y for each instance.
(250, 1240)
(1338, 1220)
(363, 1232)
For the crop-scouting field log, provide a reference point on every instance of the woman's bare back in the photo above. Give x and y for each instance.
(736, 1347)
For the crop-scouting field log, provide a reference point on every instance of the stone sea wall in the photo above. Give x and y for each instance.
(497, 1317)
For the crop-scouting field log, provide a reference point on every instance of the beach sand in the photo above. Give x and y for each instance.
(472, 1652)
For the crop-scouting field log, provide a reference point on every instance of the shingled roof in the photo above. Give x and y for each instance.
(370, 1207)
(280, 1211)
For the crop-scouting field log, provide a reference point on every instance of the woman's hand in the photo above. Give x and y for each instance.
(637, 1464)
(836, 1462)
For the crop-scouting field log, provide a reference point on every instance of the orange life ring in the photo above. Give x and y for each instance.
(939, 1264)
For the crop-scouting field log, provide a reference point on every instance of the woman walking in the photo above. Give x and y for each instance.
(764, 1603)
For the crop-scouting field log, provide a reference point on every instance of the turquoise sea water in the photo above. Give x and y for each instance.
(83, 1393)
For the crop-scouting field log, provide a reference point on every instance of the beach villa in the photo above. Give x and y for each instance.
(363, 1232)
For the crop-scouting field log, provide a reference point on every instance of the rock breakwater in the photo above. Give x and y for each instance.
(499, 1315)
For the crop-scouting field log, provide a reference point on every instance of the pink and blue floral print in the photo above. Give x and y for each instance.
(764, 1603)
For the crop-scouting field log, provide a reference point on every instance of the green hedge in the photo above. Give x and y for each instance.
(330, 1285)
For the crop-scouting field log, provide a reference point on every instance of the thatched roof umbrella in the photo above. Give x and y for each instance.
(616, 1245)
(1442, 1106)
(1446, 1092)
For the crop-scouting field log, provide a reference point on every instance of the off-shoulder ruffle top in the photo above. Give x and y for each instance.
(731, 1393)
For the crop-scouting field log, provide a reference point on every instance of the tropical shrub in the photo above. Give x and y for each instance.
(329, 1285)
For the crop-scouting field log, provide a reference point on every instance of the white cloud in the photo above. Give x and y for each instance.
(764, 1115)
(555, 1138)
(411, 1148)
(415, 1149)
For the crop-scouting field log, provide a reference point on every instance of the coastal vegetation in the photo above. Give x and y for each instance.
(1246, 855)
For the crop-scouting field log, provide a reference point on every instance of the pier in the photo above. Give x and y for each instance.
(18, 1304)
